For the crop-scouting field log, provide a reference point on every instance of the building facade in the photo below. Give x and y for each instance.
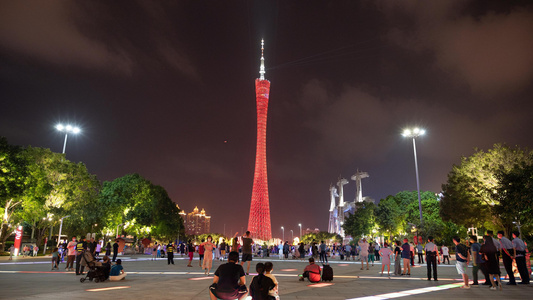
(196, 222)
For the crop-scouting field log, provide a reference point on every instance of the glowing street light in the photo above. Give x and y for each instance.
(67, 129)
(283, 239)
(300, 225)
(414, 133)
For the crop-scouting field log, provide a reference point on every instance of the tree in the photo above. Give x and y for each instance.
(389, 216)
(321, 236)
(12, 182)
(474, 194)
(515, 195)
(57, 188)
(362, 221)
(141, 208)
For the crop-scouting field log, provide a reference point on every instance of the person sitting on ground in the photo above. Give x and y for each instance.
(117, 271)
(273, 293)
(229, 281)
(261, 284)
(106, 266)
(311, 272)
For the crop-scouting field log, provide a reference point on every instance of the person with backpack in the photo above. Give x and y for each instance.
(463, 258)
(261, 284)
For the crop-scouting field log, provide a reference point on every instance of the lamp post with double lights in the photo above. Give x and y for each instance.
(414, 133)
(67, 129)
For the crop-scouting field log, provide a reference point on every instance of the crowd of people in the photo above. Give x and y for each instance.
(229, 278)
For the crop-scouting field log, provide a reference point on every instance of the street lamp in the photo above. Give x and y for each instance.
(283, 239)
(300, 231)
(414, 133)
(60, 228)
(67, 129)
(292, 236)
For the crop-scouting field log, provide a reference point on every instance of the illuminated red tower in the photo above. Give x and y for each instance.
(259, 220)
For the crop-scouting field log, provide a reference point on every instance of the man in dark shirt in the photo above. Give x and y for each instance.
(170, 253)
(115, 250)
(81, 247)
(462, 258)
(508, 253)
(247, 251)
(477, 261)
(229, 281)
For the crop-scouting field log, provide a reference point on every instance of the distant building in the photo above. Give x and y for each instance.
(196, 222)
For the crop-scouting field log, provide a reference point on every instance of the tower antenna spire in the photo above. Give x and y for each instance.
(262, 68)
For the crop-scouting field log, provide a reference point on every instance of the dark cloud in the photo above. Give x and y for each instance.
(491, 52)
(159, 86)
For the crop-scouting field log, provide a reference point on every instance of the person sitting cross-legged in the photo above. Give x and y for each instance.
(229, 281)
(311, 271)
(117, 271)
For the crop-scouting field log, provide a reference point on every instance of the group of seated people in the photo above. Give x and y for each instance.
(230, 280)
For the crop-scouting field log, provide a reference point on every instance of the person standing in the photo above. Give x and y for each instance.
(432, 253)
(508, 253)
(115, 250)
(182, 249)
(81, 247)
(201, 252)
(348, 251)
(11, 252)
(520, 257)
(286, 250)
(489, 253)
(363, 253)
(463, 258)
(385, 254)
(406, 257)
(247, 243)
(377, 247)
(398, 259)
(478, 263)
(223, 249)
(190, 249)
(170, 253)
(323, 256)
(420, 253)
(71, 254)
(98, 248)
(371, 253)
(445, 254)
(208, 254)
(108, 249)
(301, 250)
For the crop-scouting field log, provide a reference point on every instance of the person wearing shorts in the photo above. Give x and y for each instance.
(462, 258)
(406, 257)
(247, 251)
(190, 249)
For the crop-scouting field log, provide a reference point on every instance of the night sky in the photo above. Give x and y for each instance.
(166, 89)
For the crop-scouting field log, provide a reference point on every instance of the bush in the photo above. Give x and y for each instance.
(8, 244)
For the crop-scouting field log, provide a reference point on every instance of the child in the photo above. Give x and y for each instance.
(261, 284)
(55, 259)
(273, 293)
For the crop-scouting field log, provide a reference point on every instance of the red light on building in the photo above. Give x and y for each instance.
(259, 219)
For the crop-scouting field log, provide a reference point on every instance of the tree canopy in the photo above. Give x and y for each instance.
(490, 189)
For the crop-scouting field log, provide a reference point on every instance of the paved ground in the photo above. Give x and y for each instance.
(31, 278)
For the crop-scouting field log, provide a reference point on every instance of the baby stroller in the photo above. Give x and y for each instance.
(96, 270)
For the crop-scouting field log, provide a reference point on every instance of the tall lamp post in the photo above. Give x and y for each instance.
(283, 239)
(60, 229)
(300, 225)
(414, 133)
(67, 129)
(292, 236)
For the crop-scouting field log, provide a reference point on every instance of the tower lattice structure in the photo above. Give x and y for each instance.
(259, 219)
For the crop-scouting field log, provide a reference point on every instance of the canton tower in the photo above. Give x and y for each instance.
(259, 220)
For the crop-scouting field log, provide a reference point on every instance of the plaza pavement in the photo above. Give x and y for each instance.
(31, 278)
